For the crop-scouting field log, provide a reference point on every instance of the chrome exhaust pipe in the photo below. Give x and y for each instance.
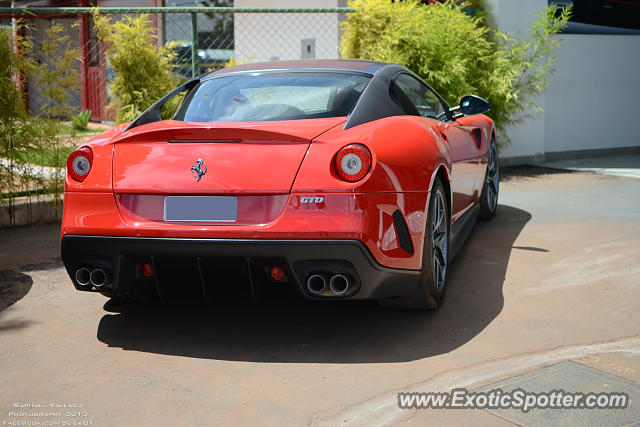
(316, 284)
(99, 278)
(339, 284)
(83, 276)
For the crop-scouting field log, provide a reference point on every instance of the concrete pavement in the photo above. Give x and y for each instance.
(554, 277)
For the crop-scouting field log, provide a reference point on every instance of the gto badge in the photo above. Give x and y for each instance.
(197, 169)
(311, 199)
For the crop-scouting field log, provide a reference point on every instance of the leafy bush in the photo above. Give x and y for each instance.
(454, 52)
(142, 71)
(16, 131)
(80, 121)
(57, 79)
(27, 142)
(56, 74)
(12, 65)
(232, 62)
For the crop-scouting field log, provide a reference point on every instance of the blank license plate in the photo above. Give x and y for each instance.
(200, 208)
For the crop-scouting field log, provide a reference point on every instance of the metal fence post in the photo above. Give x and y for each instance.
(194, 44)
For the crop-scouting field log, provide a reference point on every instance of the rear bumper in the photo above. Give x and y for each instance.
(202, 260)
(365, 217)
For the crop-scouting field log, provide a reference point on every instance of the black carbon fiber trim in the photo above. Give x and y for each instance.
(402, 231)
(477, 135)
(203, 259)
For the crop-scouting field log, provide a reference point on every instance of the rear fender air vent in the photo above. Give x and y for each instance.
(477, 136)
(402, 231)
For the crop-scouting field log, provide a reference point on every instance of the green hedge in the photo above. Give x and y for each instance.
(142, 72)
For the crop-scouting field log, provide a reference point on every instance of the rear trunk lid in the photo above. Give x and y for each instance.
(173, 157)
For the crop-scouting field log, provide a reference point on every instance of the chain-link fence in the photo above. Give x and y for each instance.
(205, 38)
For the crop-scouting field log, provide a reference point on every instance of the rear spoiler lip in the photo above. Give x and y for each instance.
(177, 132)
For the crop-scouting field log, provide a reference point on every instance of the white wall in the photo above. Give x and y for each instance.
(278, 36)
(515, 18)
(592, 98)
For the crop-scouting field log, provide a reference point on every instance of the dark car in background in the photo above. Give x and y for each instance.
(605, 13)
(208, 59)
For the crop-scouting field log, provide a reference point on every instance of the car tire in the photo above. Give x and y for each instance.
(491, 186)
(431, 289)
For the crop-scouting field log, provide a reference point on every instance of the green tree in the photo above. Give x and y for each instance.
(26, 140)
(57, 79)
(16, 131)
(142, 71)
(57, 74)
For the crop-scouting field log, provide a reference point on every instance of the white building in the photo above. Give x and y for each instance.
(591, 104)
(281, 36)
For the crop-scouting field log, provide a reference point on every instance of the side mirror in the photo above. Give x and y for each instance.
(471, 104)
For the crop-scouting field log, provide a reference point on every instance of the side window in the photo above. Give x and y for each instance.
(415, 98)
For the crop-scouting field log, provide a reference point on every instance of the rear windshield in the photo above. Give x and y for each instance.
(291, 96)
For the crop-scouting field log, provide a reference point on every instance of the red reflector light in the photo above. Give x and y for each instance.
(79, 163)
(353, 162)
(146, 270)
(276, 273)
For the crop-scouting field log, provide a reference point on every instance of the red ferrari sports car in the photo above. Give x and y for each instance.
(337, 179)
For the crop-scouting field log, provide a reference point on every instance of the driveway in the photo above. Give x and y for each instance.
(553, 281)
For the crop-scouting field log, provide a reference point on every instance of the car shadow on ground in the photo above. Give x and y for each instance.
(14, 285)
(332, 332)
(25, 249)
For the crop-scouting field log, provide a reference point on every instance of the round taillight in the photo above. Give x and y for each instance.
(353, 162)
(79, 163)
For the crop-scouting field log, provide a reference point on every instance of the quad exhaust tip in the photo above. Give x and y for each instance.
(316, 284)
(339, 284)
(96, 277)
(99, 277)
(83, 276)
